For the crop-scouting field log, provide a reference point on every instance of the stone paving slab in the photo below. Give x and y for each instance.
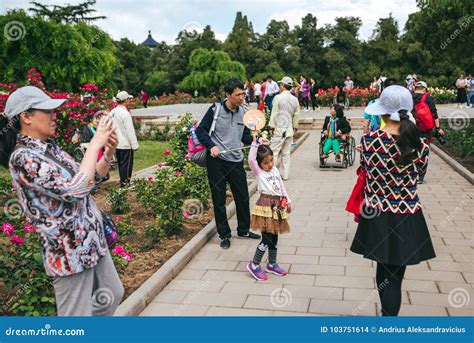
(325, 278)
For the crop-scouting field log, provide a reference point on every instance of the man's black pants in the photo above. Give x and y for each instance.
(219, 173)
(125, 165)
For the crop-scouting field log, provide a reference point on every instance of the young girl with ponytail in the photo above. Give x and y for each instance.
(392, 230)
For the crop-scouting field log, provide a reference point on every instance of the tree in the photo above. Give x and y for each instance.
(187, 42)
(210, 70)
(436, 39)
(67, 55)
(67, 14)
(310, 42)
(383, 51)
(344, 53)
(240, 44)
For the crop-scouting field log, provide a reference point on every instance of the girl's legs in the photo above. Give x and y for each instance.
(269, 241)
(389, 284)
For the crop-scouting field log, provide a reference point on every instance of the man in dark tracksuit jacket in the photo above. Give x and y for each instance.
(228, 166)
(420, 89)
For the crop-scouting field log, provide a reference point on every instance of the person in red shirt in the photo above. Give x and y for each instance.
(144, 98)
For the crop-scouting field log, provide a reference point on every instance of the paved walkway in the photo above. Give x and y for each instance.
(325, 278)
(198, 110)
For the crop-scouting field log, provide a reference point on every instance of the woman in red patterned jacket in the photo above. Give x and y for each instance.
(392, 230)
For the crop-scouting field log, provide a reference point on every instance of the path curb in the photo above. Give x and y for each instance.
(140, 299)
(461, 170)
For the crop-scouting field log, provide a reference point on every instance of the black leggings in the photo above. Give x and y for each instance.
(389, 284)
(306, 102)
(269, 241)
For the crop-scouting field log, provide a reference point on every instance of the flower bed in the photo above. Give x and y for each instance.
(361, 96)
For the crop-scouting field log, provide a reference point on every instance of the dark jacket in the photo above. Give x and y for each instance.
(429, 100)
(342, 124)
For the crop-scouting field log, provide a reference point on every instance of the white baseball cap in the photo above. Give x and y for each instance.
(286, 81)
(123, 95)
(420, 84)
(30, 97)
(392, 100)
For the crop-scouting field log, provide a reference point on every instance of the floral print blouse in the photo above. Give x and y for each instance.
(59, 205)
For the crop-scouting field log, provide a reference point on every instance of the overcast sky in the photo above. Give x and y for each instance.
(133, 19)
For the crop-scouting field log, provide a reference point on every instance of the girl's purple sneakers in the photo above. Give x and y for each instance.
(257, 272)
(276, 269)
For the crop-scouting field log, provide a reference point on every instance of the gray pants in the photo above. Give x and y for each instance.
(93, 292)
(281, 147)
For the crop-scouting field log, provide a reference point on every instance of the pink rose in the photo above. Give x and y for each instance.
(7, 229)
(178, 173)
(185, 214)
(151, 178)
(29, 229)
(167, 152)
(17, 240)
(118, 218)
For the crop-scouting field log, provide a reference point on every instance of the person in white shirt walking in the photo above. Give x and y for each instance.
(284, 122)
(270, 91)
(127, 138)
(257, 89)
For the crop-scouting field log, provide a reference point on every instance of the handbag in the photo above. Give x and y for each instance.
(354, 204)
(110, 229)
(197, 152)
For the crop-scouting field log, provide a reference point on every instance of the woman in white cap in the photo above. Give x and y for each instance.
(54, 193)
(392, 230)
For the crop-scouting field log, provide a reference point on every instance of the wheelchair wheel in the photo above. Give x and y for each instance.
(345, 157)
(352, 151)
(322, 161)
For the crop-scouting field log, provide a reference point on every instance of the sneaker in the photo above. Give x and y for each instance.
(225, 243)
(249, 235)
(257, 272)
(276, 269)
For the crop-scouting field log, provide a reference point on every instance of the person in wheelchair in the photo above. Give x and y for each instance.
(335, 131)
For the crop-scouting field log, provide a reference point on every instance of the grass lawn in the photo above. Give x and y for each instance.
(148, 154)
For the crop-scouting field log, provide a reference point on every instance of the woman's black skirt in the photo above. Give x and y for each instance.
(461, 95)
(397, 239)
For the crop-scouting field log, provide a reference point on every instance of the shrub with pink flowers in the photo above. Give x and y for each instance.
(27, 289)
(74, 114)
